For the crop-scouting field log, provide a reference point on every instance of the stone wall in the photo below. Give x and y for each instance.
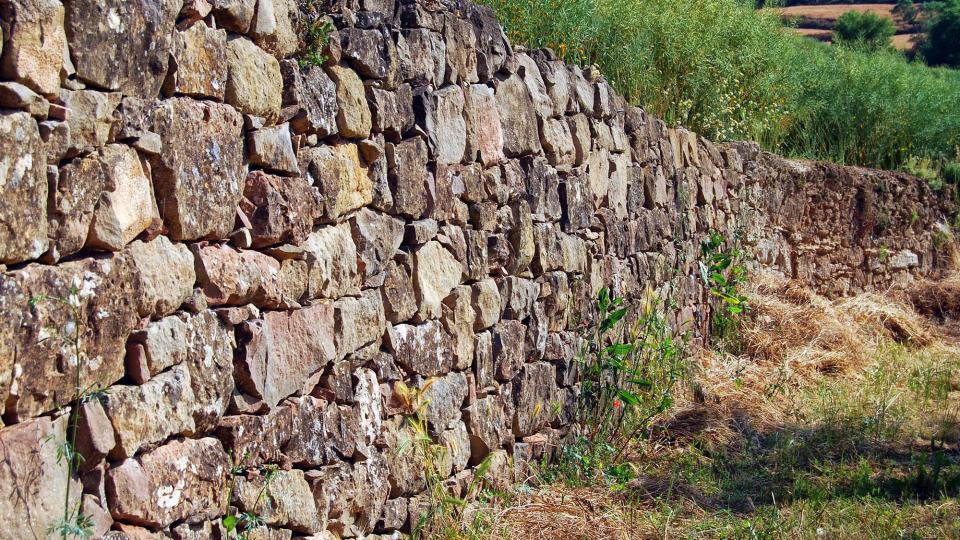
(253, 252)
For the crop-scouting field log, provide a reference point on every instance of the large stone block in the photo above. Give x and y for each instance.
(34, 481)
(182, 479)
(272, 148)
(436, 272)
(234, 15)
(279, 209)
(353, 114)
(392, 111)
(444, 397)
(235, 277)
(72, 202)
(521, 136)
(341, 176)
(409, 177)
(423, 349)
(314, 95)
(23, 181)
(286, 502)
(91, 118)
(333, 262)
(534, 392)
(442, 116)
(167, 275)
(484, 130)
(198, 63)
(127, 206)
(377, 236)
(358, 321)
(35, 43)
(37, 371)
(372, 53)
(128, 48)
(254, 83)
(198, 178)
(283, 349)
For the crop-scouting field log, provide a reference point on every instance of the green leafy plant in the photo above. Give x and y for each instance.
(627, 377)
(73, 523)
(724, 274)
(317, 36)
(238, 524)
(445, 515)
(941, 46)
(864, 30)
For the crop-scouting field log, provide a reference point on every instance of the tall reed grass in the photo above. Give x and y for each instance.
(731, 72)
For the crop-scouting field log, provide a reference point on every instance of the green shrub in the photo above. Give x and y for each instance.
(728, 71)
(951, 172)
(942, 44)
(863, 30)
(907, 10)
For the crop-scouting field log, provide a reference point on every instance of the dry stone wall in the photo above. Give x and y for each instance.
(255, 252)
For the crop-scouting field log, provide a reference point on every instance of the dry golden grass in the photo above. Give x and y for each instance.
(801, 354)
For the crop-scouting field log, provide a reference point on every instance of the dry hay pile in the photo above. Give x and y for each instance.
(792, 339)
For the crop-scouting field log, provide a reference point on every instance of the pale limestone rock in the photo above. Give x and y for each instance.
(198, 63)
(486, 302)
(23, 182)
(358, 321)
(287, 502)
(35, 43)
(353, 114)
(236, 277)
(91, 118)
(72, 202)
(254, 83)
(166, 273)
(278, 26)
(340, 175)
(436, 273)
(333, 262)
(127, 206)
(272, 149)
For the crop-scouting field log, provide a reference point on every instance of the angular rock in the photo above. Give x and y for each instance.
(443, 120)
(332, 256)
(278, 26)
(35, 376)
(444, 398)
(358, 321)
(341, 176)
(255, 440)
(272, 149)
(181, 479)
(254, 82)
(372, 53)
(377, 237)
(198, 178)
(17, 96)
(234, 15)
(399, 298)
(127, 206)
(436, 272)
(353, 114)
(198, 63)
(34, 479)
(72, 203)
(314, 95)
(286, 501)
(236, 277)
(423, 349)
(23, 220)
(534, 392)
(423, 57)
(521, 136)
(488, 422)
(279, 209)
(486, 302)
(508, 358)
(167, 275)
(95, 437)
(128, 49)
(558, 142)
(284, 348)
(484, 130)
(461, 50)
(458, 320)
(392, 111)
(35, 43)
(91, 118)
(409, 177)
